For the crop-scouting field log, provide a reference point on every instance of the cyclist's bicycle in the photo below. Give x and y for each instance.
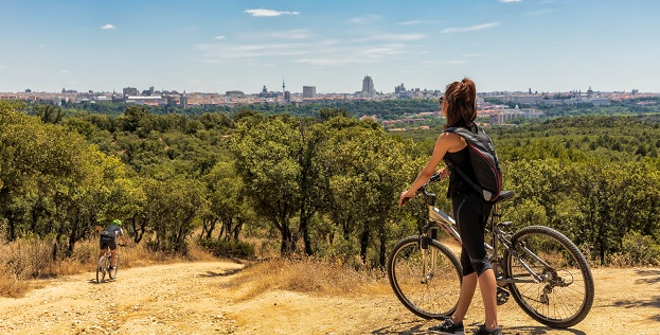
(103, 266)
(541, 268)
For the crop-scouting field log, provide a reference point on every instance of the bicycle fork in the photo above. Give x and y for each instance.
(425, 240)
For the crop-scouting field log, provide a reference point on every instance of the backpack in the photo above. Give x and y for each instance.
(108, 234)
(484, 161)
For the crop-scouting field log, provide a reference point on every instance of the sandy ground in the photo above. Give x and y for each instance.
(195, 298)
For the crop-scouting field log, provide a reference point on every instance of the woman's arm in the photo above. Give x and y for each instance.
(444, 143)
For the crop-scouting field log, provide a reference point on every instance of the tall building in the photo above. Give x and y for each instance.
(367, 86)
(309, 91)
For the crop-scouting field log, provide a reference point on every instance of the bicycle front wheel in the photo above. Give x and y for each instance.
(101, 269)
(565, 291)
(428, 287)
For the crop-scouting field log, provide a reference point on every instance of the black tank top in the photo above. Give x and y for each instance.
(458, 186)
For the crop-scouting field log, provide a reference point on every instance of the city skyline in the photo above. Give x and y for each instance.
(218, 46)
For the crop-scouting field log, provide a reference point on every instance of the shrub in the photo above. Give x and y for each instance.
(637, 250)
(222, 248)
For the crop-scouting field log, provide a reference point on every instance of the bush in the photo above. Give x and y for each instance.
(637, 250)
(222, 248)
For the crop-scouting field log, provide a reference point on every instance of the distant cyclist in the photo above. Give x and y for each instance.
(108, 236)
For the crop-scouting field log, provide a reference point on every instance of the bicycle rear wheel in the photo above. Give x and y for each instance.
(565, 293)
(113, 273)
(435, 296)
(101, 269)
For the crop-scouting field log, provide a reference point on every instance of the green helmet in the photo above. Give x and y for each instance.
(117, 222)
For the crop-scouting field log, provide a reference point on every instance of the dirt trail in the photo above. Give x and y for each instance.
(194, 298)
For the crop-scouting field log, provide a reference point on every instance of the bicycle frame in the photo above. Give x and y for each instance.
(438, 218)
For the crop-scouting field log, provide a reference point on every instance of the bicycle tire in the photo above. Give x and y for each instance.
(438, 297)
(565, 295)
(101, 268)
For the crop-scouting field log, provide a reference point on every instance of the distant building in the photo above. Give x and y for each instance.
(235, 94)
(309, 91)
(130, 91)
(184, 100)
(265, 93)
(368, 87)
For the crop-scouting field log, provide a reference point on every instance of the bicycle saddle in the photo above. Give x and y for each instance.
(504, 195)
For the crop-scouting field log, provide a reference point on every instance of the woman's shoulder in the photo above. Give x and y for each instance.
(454, 142)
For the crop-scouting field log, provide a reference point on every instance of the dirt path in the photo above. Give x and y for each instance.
(194, 298)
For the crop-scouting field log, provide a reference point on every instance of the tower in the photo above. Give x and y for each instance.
(367, 86)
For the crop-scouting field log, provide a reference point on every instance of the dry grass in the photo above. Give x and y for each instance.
(308, 276)
(23, 261)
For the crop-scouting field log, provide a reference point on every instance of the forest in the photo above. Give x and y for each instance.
(321, 184)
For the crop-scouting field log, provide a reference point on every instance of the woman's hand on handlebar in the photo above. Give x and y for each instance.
(405, 197)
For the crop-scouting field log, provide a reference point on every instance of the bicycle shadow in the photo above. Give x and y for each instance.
(93, 281)
(539, 330)
(421, 327)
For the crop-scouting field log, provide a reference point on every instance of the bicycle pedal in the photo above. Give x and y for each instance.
(502, 296)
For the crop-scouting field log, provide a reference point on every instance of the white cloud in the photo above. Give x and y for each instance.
(319, 53)
(415, 22)
(393, 37)
(261, 12)
(471, 28)
(410, 23)
(294, 34)
(221, 37)
(363, 19)
(507, 1)
(108, 26)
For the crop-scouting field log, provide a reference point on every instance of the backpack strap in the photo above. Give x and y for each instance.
(474, 185)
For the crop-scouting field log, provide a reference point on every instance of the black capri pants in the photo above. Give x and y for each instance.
(471, 213)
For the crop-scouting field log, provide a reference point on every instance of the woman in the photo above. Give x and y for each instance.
(459, 106)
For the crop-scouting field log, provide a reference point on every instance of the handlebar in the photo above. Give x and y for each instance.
(430, 196)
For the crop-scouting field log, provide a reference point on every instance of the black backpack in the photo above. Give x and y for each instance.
(484, 161)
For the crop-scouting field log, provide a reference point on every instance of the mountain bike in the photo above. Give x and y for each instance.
(103, 266)
(544, 271)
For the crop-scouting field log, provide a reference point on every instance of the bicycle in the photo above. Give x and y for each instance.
(547, 275)
(103, 266)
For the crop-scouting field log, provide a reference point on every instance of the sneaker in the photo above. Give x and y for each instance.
(448, 327)
(482, 331)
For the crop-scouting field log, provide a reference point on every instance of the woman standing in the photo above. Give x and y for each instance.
(459, 106)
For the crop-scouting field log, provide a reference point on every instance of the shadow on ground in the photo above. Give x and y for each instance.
(210, 274)
(652, 277)
(420, 327)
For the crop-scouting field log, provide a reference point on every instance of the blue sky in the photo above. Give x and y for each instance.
(216, 46)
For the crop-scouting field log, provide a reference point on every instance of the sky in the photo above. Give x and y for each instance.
(221, 45)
